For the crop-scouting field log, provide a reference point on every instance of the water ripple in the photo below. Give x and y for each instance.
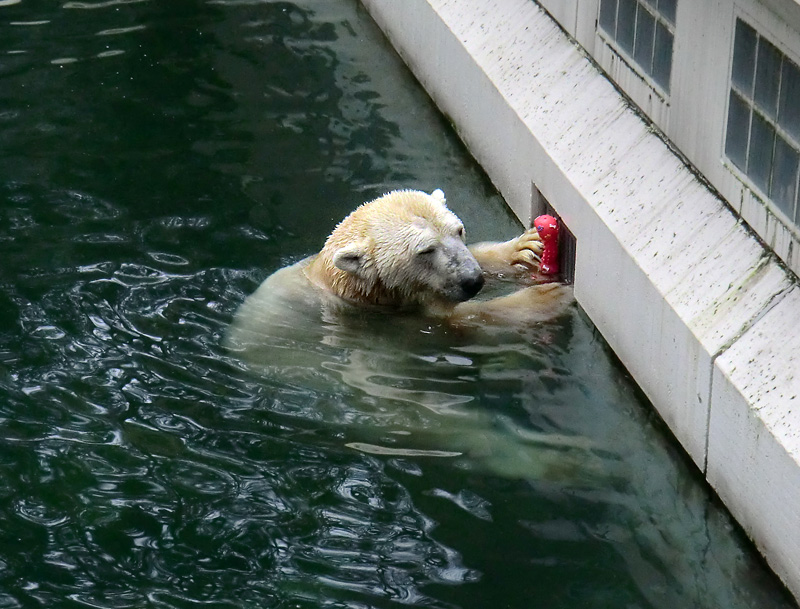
(102, 4)
(121, 30)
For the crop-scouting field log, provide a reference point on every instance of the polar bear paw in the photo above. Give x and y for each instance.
(528, 249)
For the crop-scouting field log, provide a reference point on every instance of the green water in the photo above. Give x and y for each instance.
(158, 159)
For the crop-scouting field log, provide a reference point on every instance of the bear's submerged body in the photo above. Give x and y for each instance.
(390, 361)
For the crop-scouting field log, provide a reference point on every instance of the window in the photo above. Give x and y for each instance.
(644, 30)
(763, 133)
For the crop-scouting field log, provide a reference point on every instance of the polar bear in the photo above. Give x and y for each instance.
(370, 334)
(405, 252)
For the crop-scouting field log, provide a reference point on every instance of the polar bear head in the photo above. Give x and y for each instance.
(405, 248)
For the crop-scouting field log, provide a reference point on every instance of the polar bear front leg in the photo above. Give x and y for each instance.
(516, 256)
(526, 306)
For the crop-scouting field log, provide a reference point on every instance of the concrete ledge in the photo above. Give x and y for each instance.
(701, 315)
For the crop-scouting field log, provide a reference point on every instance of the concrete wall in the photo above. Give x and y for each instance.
(703, 317)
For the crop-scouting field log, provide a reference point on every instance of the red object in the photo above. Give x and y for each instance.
(547, 227)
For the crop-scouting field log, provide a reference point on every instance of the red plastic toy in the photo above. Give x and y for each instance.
(547, 227)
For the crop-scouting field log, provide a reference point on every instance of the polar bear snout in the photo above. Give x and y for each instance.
(465, 276)
(471, 284)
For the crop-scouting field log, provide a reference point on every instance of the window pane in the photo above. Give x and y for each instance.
(645, 31)
(653, 3)
(608, 16)
(789, 113)
(762, 141)
(662, 57)
(738, 128)
(784, 176)
(626, 23)
(768, 69)
(744, 57)
(668, 8)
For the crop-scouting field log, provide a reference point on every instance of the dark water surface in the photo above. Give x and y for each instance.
(158, 159)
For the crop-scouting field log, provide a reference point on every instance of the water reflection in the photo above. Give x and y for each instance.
(144, 195)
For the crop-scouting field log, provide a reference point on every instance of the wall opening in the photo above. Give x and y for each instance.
(567, 244)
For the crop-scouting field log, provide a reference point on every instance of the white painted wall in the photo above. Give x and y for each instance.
(702, 316)
(757, 405)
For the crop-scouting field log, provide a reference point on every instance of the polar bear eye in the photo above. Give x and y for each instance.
(427, 251)
(460, 232)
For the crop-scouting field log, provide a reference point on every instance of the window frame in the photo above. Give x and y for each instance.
(629, 56)
(757, 113)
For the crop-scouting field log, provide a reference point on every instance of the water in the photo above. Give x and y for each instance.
(158, 159)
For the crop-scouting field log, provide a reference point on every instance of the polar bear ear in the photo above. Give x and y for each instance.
(351, 259)
(438, 194)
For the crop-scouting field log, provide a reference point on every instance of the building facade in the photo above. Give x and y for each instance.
(721, 80)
